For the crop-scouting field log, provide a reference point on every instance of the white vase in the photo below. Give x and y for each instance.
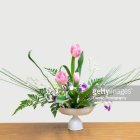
(75, 123)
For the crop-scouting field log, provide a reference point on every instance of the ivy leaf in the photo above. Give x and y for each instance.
(54, 109)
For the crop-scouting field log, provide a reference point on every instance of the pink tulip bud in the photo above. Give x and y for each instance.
(61, 77)
(76, 50)
(76, 77)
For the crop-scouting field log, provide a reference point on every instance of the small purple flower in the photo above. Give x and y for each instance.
(65, 88)
(107, 107)
(54, 98)
(71, 86)
(83, 87)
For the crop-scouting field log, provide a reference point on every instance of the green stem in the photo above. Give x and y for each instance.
(130, 82)
(72, 68)
(29, 55)
(15, 84)
(17, 81)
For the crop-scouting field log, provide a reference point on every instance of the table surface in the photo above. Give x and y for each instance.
(59, 131)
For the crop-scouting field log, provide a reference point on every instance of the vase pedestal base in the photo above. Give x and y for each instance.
(75, 123)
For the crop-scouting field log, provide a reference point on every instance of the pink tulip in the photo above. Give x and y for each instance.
(76, 77)
(61, 77)
(76, 50)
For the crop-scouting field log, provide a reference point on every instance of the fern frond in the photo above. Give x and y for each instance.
(23, 104)
(98, 81)
(52, 71)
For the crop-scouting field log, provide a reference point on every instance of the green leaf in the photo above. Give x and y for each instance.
(61, 99)
(68, 71)
(86, 94)
(54, 109)
(80, 63)
(70, 94)
(85, 103)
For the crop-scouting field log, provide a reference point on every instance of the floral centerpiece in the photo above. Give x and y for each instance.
(70, 96)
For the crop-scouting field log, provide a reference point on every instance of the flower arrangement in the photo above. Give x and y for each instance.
(68, 91)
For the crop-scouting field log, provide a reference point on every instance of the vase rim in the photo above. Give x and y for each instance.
(74, 111)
